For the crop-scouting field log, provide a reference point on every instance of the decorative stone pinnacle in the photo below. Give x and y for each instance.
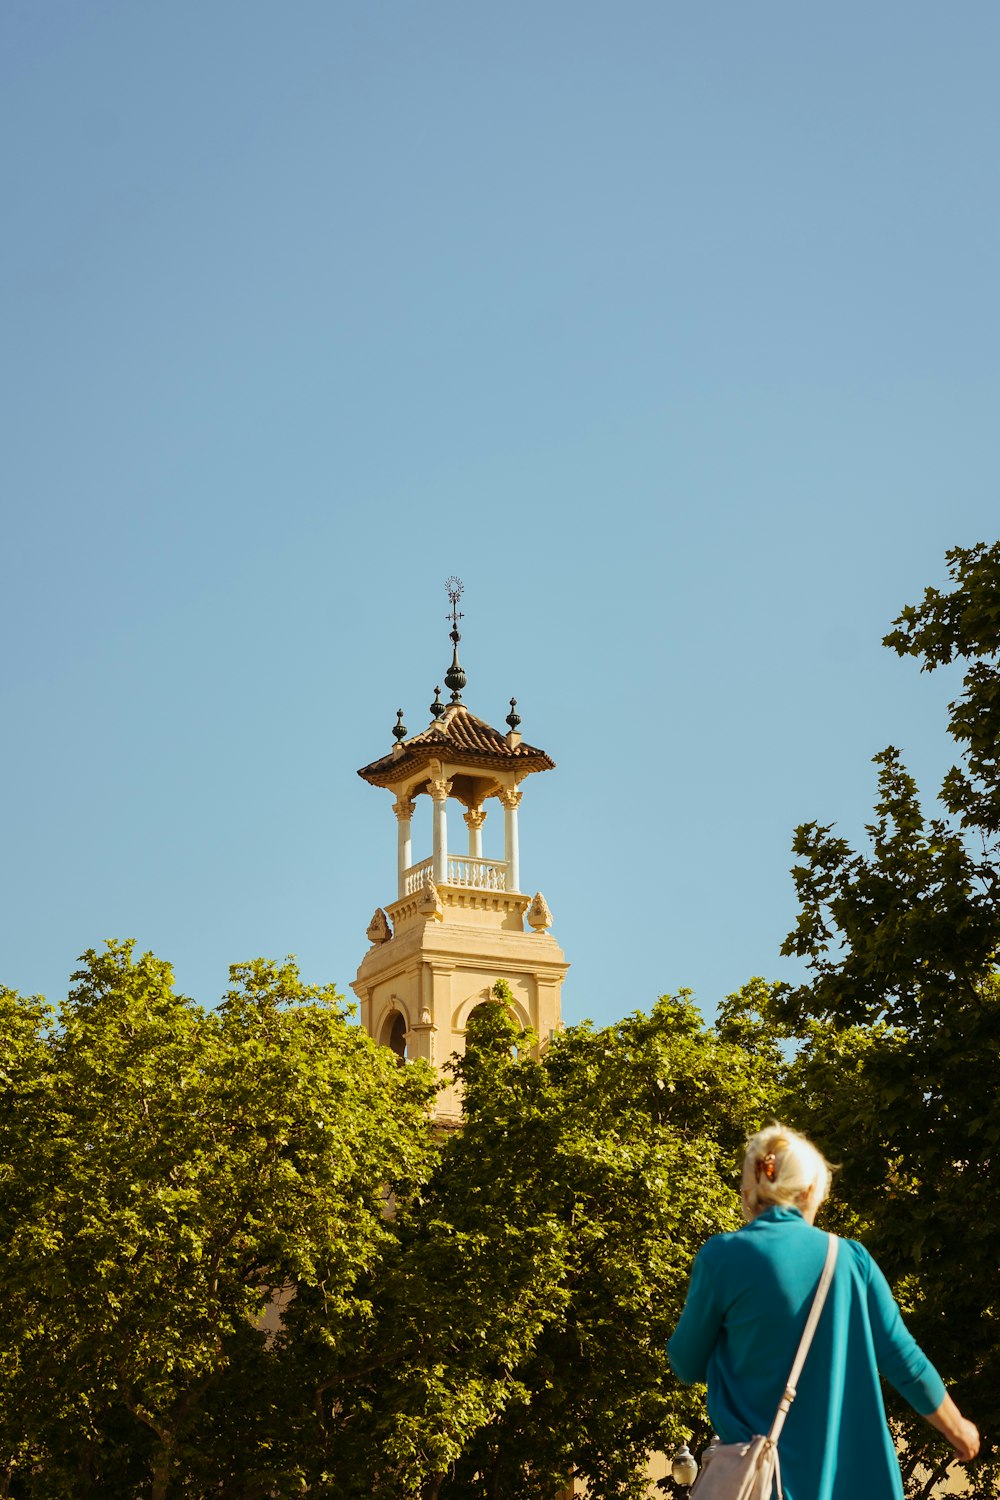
(437, 707)
(379, 930)
(430, 904)
(399, 729)
(513, 718)
(538, 914)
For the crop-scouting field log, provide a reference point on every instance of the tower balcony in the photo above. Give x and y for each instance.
(474, 873)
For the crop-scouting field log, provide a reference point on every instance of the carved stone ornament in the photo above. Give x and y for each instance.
(439, 789)
(510, 799)
(425, 1017)
(430, 902)
(475, 817)
(403, 808)
(538, 914)
(379, 930)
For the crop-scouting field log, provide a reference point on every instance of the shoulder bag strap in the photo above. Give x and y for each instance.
(807, 1338)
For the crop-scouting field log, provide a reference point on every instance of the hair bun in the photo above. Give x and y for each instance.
(780, 1167)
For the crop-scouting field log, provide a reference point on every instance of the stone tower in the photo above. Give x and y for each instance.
(457, 924)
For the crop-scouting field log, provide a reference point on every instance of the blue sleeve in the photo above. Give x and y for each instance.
(695, 1336)
(900, 1358)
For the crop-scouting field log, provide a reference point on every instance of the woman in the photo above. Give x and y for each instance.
(746, 1307)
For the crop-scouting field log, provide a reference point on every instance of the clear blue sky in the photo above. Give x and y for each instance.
(671, 328)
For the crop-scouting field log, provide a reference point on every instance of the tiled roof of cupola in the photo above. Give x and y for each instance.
(458, 737)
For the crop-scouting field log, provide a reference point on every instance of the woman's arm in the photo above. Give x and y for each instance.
(962, 1434)
(898, 1355)
(906, 1366)
(694, 1338)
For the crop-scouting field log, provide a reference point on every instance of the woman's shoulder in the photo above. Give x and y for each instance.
(730, 1245)
(727, 1249)
(856, 1256)
(721, 1244)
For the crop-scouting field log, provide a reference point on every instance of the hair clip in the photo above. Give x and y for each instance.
(766, 1164)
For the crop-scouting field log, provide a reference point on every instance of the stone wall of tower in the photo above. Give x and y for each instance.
(448, 947)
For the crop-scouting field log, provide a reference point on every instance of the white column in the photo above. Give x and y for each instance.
(403, 808)
(439, 792)
(511, 801)
(474, 820)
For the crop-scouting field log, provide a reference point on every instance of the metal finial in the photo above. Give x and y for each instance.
(454, 588)
(399, 729)
(455, 677)
(437, 707)
(513, 718)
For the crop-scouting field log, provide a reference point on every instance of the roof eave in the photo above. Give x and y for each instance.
(388, 770)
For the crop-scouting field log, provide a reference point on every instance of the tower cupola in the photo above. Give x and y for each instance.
(458, 921)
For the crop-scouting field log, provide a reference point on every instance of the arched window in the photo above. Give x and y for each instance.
(394, 1035)
(489, 1005)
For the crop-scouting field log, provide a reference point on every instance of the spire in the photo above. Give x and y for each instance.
(455, 677)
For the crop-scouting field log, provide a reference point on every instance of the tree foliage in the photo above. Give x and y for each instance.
(900, 1025)
(964, 625)
(467, 1314)
(163, 1171)
(568, 1209)
(519, 1319)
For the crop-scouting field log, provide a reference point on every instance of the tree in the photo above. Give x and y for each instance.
(545, 1262)
(965, 625)
(467, 1314)
(163, 1170)
(900, 1024)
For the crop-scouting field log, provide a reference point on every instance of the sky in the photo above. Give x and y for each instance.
(671, 329)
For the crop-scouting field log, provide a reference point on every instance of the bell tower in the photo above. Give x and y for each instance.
(457, 924)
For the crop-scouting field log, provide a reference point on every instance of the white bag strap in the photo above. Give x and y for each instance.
(805, 1341)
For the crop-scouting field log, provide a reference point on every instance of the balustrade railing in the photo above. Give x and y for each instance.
(479, 874)
(417, 876)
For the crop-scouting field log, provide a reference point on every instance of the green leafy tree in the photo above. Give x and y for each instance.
(164, 1171)
(900, 1025)
(544, 1264)
(466, 1314)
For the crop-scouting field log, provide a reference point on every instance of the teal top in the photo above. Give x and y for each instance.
(746, 1307)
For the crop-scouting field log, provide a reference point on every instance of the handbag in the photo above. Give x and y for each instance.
(749, 1471)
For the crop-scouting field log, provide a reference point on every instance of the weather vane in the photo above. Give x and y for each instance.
(455, 588)
(455, 677)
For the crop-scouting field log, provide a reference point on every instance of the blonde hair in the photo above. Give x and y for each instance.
(779, 1167)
